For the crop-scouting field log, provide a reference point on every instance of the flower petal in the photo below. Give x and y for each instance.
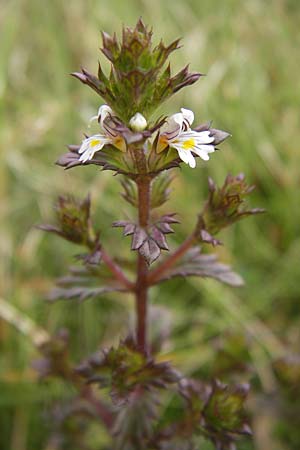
(201, 137)
(187, 157)
(103, 112)
(173, 126)
(91, 145)
(188, 115)
(203, 151)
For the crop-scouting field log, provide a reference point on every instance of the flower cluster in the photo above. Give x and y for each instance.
(175, 133)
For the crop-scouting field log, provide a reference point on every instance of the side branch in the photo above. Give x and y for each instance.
(104, 414)
(117, 271)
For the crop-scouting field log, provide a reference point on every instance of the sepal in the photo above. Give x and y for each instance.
(218, 135)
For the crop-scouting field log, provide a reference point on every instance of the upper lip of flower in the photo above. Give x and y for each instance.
(179, 135)
(95, 143)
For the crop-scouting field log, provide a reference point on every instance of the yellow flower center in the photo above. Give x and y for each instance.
(188, 144)
(162, 144)
(94, 142)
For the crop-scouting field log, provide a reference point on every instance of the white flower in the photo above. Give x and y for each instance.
(103, 112)
(91, 145)
(95, 143)
(138, 122)
(178, 134)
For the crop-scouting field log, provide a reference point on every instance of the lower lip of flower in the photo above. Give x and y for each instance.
(188, 144)
(94, 142)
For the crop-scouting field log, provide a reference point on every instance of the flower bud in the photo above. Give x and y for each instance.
(138, 122)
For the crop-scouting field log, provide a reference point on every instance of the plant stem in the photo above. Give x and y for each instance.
(116, 270)
(104, 414)
(143, 184)
(156, 274)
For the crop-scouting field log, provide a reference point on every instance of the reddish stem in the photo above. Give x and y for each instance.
(143, 184)
(141, 304)
(116, 270)
(157, 273)
(100, 408)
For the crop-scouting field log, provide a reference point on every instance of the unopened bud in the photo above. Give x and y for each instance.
(138, 122)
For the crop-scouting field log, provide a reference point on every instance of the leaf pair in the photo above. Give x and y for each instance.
(149, 242)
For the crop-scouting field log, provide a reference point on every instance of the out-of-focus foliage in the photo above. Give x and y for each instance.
(249, 51)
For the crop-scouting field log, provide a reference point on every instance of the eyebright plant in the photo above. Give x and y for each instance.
(135, 382)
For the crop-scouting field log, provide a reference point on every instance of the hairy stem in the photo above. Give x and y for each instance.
(156, 274)
(143, 184)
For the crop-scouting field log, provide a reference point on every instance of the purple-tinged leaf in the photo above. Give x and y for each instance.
(120, 223)
(205, 266)
(129, 229)
(144, 250)
(81, 293)
(139, 237)
(154, 251)
(159, 238)
(150, 251)
(169, 218)
(149, 242)
(208, 238)
(165, 227)
(92, 258)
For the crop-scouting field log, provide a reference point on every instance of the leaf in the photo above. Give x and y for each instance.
(90, 280)
(125, 369)
(149, 242)
(135, 422)
(159, 238)
(197, 264)
(150, 250)
(138, 238)
(80, 292)
(160, 189)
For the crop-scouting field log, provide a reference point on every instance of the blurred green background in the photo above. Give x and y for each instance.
(249, 51)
